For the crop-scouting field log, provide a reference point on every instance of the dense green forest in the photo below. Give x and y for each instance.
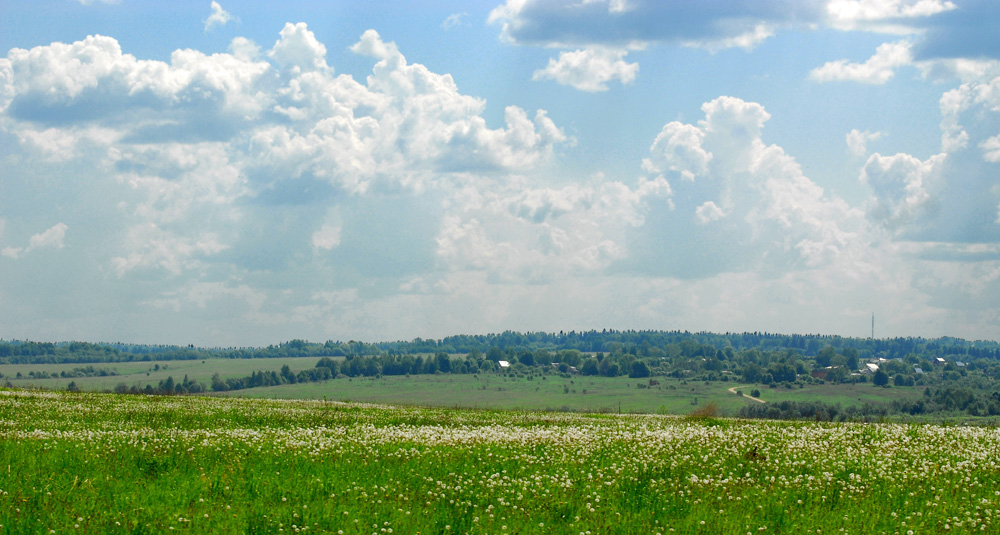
(652, 344)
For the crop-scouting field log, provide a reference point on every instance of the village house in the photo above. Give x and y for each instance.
(823, 373)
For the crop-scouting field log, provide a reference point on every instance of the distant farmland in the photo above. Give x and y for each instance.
(487, 390)
(141, 373)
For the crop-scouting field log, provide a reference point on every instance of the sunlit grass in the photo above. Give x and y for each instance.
(93, 463)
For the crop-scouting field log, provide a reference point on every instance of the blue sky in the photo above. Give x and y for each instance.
(244, 173)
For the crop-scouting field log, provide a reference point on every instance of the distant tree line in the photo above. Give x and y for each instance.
(652, 344)
(86, 371)
(355, 366)
(166, 387)
(270, 378)
(947, 401)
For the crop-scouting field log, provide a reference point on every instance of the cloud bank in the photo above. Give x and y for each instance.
(939, 32)
(258, 195)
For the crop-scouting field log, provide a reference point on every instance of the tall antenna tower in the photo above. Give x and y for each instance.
(873, 325)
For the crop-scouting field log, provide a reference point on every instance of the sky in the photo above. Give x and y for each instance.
(230, 173)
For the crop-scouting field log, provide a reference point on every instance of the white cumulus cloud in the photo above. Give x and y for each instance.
(219, 17)
(900, 186)
(516, 231)
(749, 205)
(298, 50)
(51, 238)
(708, 212)
(857, 141)
(678, 147)
(257, 192)
(589, 69)
(967, 103)
(196, 152)
(326, 238)
(878, 69)
(991, 149)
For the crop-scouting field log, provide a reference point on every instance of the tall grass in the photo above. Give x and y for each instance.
(93, 463)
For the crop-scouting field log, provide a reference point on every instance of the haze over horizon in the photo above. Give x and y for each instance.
(246, 173)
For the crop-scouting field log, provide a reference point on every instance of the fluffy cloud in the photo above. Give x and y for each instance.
(52, 237)
(741, 204)
(150, 246)
(410, 123)
(708, 212)
(883, 15)
(899, 183)
(678, 148)
(733, 127)
(69, 70)
(544, 233)
(945, 38)
(49, 239)
(607, 29)
(327, 237)
(951, 196)
(877, 70)
(589, 69)
(991, 149)
(260, 187)
(963, 106)
(219, 17)
(91, 83)
(453, 20)
(857, 141)
(297, 50)
(259, 162)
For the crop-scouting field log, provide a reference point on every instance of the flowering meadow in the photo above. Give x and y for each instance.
(106, 463)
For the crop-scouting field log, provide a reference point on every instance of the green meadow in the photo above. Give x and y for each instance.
(487, 390)
(109, 463)
(141, 373)
(575, 393)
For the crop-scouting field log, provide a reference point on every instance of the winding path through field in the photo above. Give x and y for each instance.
(748, 396)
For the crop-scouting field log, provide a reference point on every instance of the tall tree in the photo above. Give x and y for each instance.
(881, 378)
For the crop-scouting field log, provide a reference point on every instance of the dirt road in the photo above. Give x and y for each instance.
(748, 396)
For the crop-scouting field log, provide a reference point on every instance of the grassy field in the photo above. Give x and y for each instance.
(494, 391)
(104, 463)
(142, 373)
(845, 394)
(578, 393)
(482, 391)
